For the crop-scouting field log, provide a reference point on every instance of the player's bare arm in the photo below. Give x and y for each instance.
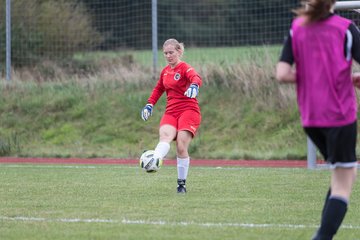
(285, 73)
(356, 79)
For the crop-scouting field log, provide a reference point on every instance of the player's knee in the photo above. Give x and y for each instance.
(181, 150)
(166, 137)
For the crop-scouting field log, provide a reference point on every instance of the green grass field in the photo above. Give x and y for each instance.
(123, 202)
(215, 56)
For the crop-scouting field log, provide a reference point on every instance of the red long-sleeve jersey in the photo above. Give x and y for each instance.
(175, 82)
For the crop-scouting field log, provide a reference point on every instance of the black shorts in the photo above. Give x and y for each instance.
(336, 144)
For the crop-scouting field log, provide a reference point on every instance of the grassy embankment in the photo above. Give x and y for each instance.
(96, 112)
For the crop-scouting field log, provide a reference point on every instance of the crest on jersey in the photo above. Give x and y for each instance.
(177, 76)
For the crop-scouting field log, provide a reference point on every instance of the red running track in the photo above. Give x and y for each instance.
(194, 162)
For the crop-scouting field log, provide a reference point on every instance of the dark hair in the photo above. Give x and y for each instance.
(314, 10)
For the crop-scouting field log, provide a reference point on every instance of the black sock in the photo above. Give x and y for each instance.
(332, 217)
(325, 203)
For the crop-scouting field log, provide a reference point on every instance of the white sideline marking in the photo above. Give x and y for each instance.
(165, 223)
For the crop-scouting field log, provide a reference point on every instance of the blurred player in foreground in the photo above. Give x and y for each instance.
(182, 116)
(322, 46)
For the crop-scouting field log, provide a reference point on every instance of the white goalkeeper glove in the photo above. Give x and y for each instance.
(192, 91)
(146, 112)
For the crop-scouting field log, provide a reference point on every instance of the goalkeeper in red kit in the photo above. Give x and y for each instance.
(182, 116)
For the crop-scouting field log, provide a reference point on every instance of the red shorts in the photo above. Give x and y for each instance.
(188, 120)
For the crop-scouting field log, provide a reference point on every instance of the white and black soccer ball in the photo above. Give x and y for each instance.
(149, 163)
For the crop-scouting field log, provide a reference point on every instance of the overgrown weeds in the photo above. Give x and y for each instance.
(253, 79)
(10, 145)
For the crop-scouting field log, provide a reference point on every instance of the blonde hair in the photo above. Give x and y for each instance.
(178, 46)
(315, 10)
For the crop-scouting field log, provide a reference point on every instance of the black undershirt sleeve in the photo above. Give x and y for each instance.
(355, 49)
(287, 54)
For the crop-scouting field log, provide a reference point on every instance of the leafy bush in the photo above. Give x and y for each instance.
(48, 29)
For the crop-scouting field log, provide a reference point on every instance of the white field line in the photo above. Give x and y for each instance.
(163, 223)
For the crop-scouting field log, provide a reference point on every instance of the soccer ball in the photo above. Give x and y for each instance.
(149, 163)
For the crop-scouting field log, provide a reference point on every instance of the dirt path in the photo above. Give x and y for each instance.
(194, 162)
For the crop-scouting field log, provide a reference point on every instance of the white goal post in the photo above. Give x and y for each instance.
(311, 149)
(347, 5)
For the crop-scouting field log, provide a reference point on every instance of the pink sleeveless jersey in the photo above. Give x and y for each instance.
(326, 95)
